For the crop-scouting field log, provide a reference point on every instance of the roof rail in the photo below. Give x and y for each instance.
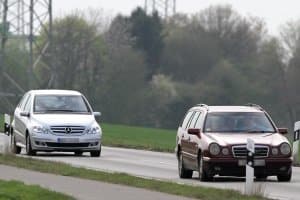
(255, 106)
(203, 105)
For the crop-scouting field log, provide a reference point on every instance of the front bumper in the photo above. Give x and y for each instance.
(66, 143)
(233, 166)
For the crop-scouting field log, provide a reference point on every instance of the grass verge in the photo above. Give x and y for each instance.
(13, 190)
(1, 122)
(124, 179)
(138, 137)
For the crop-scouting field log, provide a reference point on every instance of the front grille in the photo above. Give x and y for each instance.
(241, 151)
(67, 130)
(67, 145)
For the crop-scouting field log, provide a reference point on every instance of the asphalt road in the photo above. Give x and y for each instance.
(164, 166)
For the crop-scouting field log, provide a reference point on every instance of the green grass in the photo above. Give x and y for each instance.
(139, 138)
(13, 190)
(1, 122)
(196, 192)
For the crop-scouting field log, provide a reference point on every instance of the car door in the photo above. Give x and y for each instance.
(23, 122)
(185, 137)
(17, 118)
(192, 142)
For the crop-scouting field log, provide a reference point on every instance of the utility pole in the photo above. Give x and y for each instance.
(23, 21)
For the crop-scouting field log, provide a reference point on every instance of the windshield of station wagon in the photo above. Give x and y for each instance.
(247, 122)
(60, 103)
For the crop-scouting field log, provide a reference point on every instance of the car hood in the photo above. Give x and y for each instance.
(64, 119)
(226, 139)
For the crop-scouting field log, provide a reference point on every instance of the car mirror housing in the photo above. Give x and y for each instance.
(283, 131)
(97, 114)
(195, 131)
(25, 114)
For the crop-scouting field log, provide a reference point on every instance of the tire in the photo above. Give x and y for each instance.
(95, 153)
(78, 153)
(14, 148)
(285, 177)
(182, 171)
(29, 150)
(203, 175)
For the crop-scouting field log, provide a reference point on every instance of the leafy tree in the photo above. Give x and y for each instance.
(189, 53)
(238, 36)
(147, 32)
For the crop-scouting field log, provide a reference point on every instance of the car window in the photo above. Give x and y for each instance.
(199, 121)
(248, 122)
(187, 119)
(195, 118)
(28, 104)
(23, 101)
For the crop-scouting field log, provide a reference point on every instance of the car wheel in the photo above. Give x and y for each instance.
(78, 153)
(285, 177)
(14, 148)
(182, 171)
(29, 150)
(203, 175)
(95, 153)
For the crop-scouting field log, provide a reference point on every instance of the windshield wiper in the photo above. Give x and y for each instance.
(257, 131)
(60, 110)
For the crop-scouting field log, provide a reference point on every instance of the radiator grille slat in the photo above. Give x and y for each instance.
(67, 130)
(241, 151)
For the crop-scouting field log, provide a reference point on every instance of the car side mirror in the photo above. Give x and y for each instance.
(195, 131)
(97, 114)
(25, 114)
(283, 131)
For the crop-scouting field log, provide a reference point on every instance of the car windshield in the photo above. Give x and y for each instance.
(246, 122)
(60, 103)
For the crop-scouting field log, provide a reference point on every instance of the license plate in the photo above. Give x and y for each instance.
(257, 163)
(67, 140)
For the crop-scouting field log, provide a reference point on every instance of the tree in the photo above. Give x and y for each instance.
(147, 30)
(189, 53)
(77, 53)
(290, 36)
(238, 36)
(121, 89)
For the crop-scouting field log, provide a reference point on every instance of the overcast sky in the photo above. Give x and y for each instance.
(274, 12)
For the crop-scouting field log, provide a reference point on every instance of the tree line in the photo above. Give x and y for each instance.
(143, 70)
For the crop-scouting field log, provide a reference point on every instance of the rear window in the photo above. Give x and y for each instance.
(246, 122)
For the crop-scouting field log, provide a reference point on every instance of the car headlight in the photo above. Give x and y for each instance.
(214, 149)
(93, 130)
(285, 149)
(40, 130)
